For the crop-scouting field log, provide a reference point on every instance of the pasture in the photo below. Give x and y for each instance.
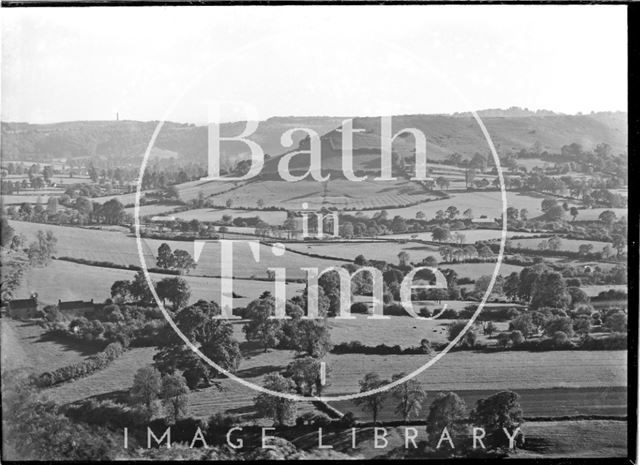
(71, 281)
(152, 209)
(592, 214)
(570, 245)
(475, 270)
(122, 250)
(468, 370)
(556, 439)
(274, 218)
(374, 250)
(337, 193)
(192, 189)
(25, 346)
(593, 291)
(488, 203)
(471, 235)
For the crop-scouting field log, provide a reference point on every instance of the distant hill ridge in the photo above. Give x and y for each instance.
(511, 130)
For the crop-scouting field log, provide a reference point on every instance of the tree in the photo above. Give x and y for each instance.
(282, 410)
(312, 337)
(616, 322)
(430, 261)
(582, 325)
(146, 389)
(573, 211)
(555, 243)
(213, 336)
(440, 234)
(549, 290)
(504, 339)
(619, 243)
(498, 413)
(7, 232)
(524, 214)
(261, 327)
(452, 211)
(516, 337)
(522, 323)
(372, 402)
(183, 260)
(559, 323)
(410, 395)
(41, 250)
(403, 259)
(607, 217)
(442, 182)
(112, 211)
(165, 258)
(468, 214)
(52, 206)
(547, 204)
(469, 176)
(120, 291)
(139, 288)
(585, 249)
(175, 289)
(578, 296)
(447, 410)
(555, 213)
(305, 373)
(174, 393)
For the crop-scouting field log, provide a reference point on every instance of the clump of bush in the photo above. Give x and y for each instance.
(356, 347)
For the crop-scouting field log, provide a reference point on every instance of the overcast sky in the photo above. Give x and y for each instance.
(63, 64)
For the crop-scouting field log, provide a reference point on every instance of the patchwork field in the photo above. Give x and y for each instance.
(71, 281)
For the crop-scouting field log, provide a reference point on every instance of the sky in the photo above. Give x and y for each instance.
(152, 63)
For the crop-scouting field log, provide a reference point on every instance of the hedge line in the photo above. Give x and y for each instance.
(85, 367)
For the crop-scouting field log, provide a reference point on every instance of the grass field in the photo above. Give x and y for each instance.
(23, 346)
(71, 281)
(570, 245)
(575, 439)
(487, 203)
(475, 270)
(190, 190)
(121, 249)
(387, 251)
(593, 291)
(471, 235)
(115, 377)
(153, 209)
(556, 439)
(339, 193)
(209, 214)
(467, 370)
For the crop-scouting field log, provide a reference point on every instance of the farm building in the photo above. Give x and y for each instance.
(23, 308)
(75, 308)
(483, 221)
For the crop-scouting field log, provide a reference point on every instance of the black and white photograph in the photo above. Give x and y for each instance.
(280, 231)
